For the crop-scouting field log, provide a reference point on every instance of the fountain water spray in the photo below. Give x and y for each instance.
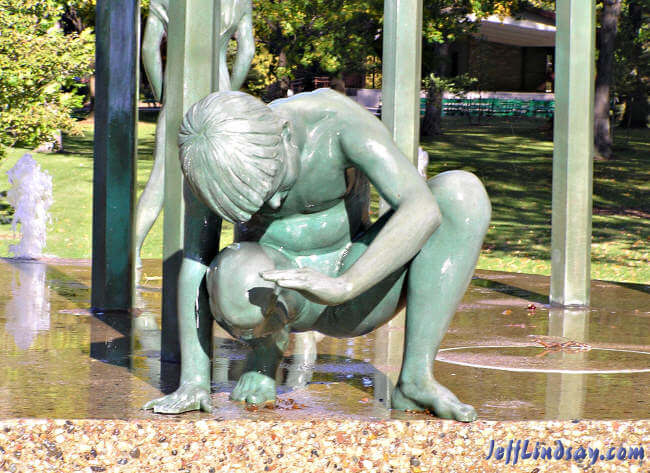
(31, 198)
(28, 310)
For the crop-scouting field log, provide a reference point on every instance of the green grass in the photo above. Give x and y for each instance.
(69, 234)
(514, 160)
(515, 164)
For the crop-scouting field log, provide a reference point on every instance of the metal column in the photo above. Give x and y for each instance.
(573, 152)
(401, 81)
(191, 74)
(401, 71)
(116, 112)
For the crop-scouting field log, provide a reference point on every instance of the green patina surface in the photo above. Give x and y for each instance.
(293, 176)
(118, 22)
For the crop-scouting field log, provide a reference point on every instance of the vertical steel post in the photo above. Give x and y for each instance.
(573, 153)
(115, 155)
(401, 80)
(401, 71)
(191, 74)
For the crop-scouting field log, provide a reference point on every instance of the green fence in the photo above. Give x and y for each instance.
(495, 107)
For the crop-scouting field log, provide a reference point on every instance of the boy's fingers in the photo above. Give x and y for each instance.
(275, 274)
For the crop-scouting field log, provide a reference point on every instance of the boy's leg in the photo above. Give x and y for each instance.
(250, 309)
(151, 201)
(437, 279)
(257, 384)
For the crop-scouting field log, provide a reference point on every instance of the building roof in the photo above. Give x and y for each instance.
(528, 29)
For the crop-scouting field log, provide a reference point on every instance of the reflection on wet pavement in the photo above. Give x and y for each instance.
(61, 360)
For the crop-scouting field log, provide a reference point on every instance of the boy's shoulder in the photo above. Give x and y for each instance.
(322, 97)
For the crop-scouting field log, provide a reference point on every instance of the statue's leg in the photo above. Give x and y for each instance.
(151, 200)
(195, 336)
(250, 309)
(437, 279)
(257, 384)
(305, 353)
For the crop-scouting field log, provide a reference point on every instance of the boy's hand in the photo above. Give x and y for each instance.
(312, 284)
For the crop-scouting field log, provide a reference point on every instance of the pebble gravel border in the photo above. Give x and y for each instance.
(210, 446)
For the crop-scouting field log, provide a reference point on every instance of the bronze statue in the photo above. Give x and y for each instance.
(293, 176)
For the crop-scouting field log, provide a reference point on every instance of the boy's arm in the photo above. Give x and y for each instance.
(201, 243)
(369, 147)
(416, 216)
(202, 229)
(151, 58)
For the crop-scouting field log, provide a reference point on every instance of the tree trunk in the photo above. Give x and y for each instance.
(72, 22)
(432, 123)
(636, 104)
(605, 77)
(279, 88)
(636, 109)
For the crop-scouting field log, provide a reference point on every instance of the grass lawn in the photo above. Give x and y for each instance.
(514, 160)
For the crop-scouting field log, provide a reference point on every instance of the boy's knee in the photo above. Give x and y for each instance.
(462, 198)
(238, 294)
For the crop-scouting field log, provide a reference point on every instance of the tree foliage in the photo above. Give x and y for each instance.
(334, 36)
(632, 62)
(40, 68)
(326, 35)
(39, 71)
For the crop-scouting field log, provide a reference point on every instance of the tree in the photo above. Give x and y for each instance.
(40, 68)
(321, 36)
(435, 87)
(445, 21)
(77, 15)
(623, 66)
(633, 63)
(605, 76)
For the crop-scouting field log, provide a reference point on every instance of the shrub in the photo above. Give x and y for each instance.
(40, 72)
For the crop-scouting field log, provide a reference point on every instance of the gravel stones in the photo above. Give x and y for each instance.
(304, 446)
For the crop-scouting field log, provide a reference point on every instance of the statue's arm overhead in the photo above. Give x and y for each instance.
(245, 49)
(154, 33)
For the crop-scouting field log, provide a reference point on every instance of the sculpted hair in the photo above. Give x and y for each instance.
(230, 146)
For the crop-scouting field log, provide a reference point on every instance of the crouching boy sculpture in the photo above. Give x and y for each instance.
(292, 175)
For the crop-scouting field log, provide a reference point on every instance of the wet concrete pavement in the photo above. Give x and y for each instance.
(507, 353)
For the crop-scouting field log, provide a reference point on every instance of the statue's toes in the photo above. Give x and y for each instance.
(238, 395)
(241, 390)
(254, 388)
(454, 409)
(261, 396)
(165, 408)
(465, 413)
(177, 405)
(160, 403)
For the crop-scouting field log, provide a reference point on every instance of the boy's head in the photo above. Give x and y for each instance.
(231, 153)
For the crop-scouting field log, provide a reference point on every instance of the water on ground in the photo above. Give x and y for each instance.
(507, 353)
